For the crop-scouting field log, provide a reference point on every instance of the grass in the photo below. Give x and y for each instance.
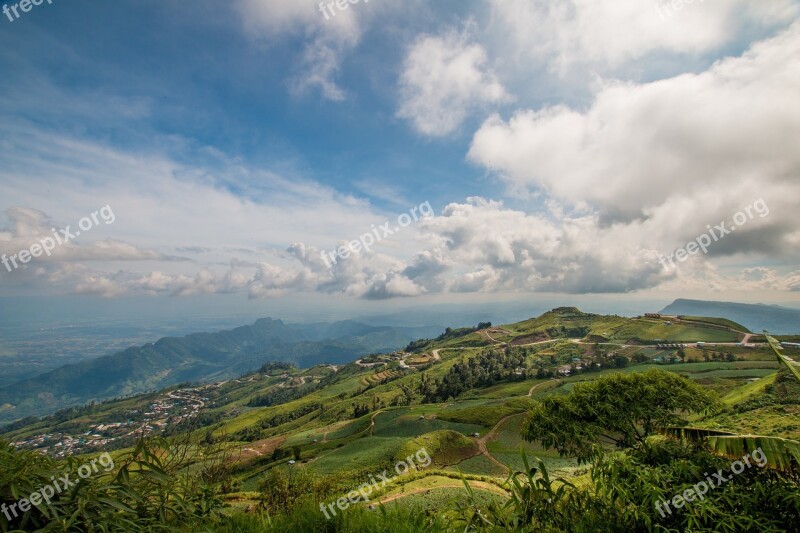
(741, 373)
(774, 420)
(403, 423)
(649, 329)
(352, 428)
(505, 390)
(368, 454)
(441, 495)
(749, 390)
(508, 442)
(478, 465)
(444, 448)
(487, 415)
(716, 321)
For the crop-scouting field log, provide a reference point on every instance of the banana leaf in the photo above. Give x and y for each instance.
(780, 454)
(793, 366)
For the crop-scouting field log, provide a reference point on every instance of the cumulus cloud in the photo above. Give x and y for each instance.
(681, 153)
(644, 169)
(494, 248)
(444, 79)
(28, 227)
(573, 33)
(476, 246)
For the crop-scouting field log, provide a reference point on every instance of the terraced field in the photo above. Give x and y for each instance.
(508, 443)
(319, 430)
(435, 492)
(408, 423)
(378, 377)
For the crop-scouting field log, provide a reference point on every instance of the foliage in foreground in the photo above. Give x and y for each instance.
(150, 488)
(621, 495)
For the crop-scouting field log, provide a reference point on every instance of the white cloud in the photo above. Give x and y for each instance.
(573, 33)
(164, 208)
(476, 246)
(445, 79)
(681, 152)
(29, 227)
(328, 40)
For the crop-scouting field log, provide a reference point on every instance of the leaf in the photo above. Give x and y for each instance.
(793, 366)
(694, 435)
(780, 454)
(116, 504)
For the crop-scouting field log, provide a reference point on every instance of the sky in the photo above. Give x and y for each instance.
(260, 156)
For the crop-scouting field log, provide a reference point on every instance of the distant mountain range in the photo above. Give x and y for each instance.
(206, 357)
(756, 317)
(201, 357)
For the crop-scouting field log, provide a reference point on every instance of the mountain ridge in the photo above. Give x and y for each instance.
(199, 357)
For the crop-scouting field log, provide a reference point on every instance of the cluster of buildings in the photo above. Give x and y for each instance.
(172, 408)
(578, 365)
(385, 359)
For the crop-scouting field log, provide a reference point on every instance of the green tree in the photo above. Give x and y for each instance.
(622, 409)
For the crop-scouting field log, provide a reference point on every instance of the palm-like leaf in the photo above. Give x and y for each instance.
(695, 435)
(780, 454)
(793, 366)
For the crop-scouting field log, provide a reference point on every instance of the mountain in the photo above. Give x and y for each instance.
(354, 417)
(455, 405)
(199, 357)
(756, 317)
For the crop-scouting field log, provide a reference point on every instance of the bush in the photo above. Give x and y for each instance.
(147, 488)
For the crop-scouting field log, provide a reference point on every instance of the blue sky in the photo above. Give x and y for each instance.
(565, 147)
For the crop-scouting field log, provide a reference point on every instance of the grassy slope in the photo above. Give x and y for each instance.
(354, 447)
(718, 321)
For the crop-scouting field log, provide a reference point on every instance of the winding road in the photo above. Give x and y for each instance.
(530, 392)
(490, 435)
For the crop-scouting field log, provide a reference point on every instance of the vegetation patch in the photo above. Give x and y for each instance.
(445, 447)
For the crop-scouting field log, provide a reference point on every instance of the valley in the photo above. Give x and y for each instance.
(462, 396)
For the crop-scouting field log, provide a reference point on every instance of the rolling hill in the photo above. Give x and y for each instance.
(462, 397)
(198, 357)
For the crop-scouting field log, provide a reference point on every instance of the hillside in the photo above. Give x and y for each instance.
(564, 343)
(756, 317)
(199, 357)
(461, 397)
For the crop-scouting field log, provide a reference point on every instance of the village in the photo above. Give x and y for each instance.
(169, 409)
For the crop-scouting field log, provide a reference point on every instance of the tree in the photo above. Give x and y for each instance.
(621, 408)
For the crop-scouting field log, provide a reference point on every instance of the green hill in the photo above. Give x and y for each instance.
(200, 357)
(462, 399)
